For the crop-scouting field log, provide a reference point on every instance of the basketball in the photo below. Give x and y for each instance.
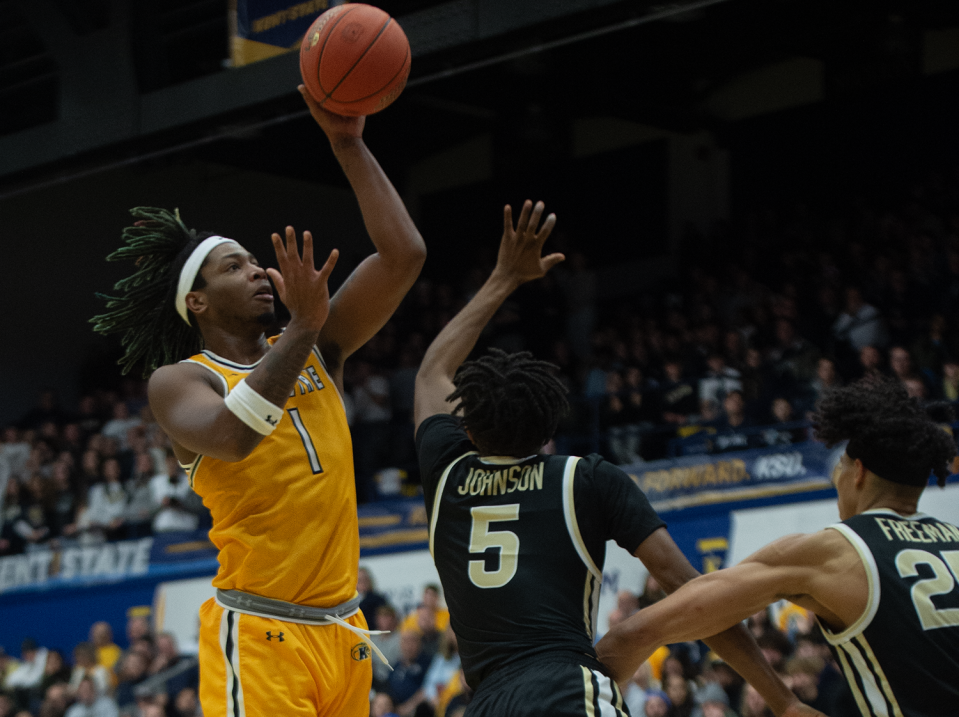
(354, 60)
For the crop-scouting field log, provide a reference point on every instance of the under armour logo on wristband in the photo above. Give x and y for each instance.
(269, 419)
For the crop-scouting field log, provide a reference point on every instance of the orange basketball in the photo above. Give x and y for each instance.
(355, 59)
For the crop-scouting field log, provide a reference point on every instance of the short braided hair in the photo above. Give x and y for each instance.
(883, 421)
(143, 311)
(511, 403)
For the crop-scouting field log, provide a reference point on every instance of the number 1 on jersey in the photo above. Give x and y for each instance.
(307, 441)
(481, 538)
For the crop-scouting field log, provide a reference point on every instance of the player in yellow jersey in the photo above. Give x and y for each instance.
(260, 426)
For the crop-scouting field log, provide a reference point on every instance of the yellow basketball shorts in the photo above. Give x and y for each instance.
(252, 666)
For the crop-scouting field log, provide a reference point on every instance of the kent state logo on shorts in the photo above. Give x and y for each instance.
(361, 651)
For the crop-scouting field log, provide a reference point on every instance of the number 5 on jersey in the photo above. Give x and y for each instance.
(482, 538)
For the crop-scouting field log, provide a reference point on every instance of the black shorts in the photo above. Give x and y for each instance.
(548, 688)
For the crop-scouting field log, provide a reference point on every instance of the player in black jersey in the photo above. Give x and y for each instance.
(519, 538)
(883, 582)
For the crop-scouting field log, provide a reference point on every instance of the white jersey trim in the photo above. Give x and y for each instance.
(873, 588)
(437, 499)
(569, 512)
(226, 386)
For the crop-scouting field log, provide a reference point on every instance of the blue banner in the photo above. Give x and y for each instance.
(264, 28)
(700, 480)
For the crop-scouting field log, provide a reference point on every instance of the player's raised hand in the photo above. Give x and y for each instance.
(335, 126)
(520, 251)
(301, 287)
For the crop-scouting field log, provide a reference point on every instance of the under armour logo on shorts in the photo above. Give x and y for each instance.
(270, 636)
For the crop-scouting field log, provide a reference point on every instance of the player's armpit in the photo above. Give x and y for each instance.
(191, 410)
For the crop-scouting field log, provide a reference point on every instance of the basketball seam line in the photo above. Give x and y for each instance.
(319, 80)
(388, 83)
(358, 59)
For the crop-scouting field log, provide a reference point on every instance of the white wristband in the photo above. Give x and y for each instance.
(254, 410)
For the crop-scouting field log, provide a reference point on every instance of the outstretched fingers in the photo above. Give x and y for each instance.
(523, 222)
(327, 268)
(277, 278)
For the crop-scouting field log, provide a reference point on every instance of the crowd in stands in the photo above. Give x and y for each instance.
(102, 472)
(151, 678)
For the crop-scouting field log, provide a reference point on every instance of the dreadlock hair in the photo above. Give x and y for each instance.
(511, 403)
(143, 310)
(892, 434)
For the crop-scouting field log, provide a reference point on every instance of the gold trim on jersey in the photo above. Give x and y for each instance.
(588, 692)
(883, 681)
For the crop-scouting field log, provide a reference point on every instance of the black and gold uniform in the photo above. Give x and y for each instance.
(519, 544)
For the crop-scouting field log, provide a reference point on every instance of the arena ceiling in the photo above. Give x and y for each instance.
(522, 71)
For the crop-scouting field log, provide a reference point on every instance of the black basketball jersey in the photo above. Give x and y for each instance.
(519, 545)
(901, 658)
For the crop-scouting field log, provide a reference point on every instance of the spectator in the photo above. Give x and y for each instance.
(860, 324)
(950, 380)
(91, 703)
(138, 624)
(680, 695)
(106, 505)
(370, 600)
(382, 706)
(55, 672)
(870, 362)
(657, 704)
(85, 666)
(804, 681)
(753, 704)
(186, 703)
(14, 451)
(719, 380)
(444, 667)
(388, 643)
(175, 499)
(713, 702)
(101, 636)
(678, 397)
(133, 671)
(371, 432)
(429, 616)
(119, 426)
(32, 525)
(141, 507)
(54, 703)
(826, 378)
(782, 412)
(64, 503)
(634, 693)
(7, 665)
(406, 680)
(732, 427)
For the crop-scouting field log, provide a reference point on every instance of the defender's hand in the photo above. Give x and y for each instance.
(520, 251)
(336, 127)
(300, 286)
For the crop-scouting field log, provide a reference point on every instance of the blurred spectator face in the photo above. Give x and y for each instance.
(410, 645)
(137, 627)
(54, 663)
(709, 410)
(854, 301)
(152, 711)
(674, 371)
(144, 465)
(915, 388)
(85, 655)
(186, 702)
(111, 470)
(101, 634)
(951, 370)
(754, 359)
(782, 410)
(900, 362)
(166, 646)
(634, 377)
(134, 666)
(382, 705)
(425, 618)
(826, 371)
(716, 363)
(143, 647)
(734, 404)
(676, 688)
(364, 583)
(656, 706)
(386, 619)
(431, 598)
(785, 332)
(90, 463)
(86, 692)
(713, 709)
(870, 358)
(49, 430)
(614, 382)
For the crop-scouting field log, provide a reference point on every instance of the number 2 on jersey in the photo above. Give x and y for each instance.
(943, 582)
(481, 538)
(307, 441)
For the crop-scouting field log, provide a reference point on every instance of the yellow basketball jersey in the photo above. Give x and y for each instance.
(284, 518)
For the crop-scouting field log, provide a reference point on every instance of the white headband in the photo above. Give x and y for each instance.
(191, 268)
